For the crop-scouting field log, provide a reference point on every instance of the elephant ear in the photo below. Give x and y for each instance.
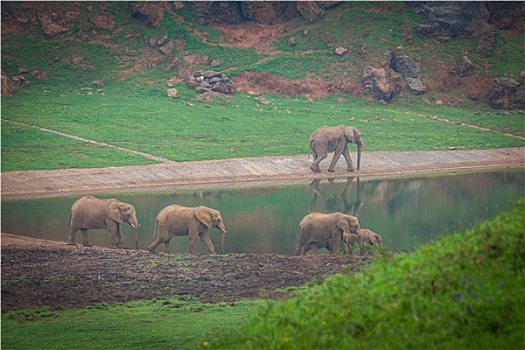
(343, 224)
(203, 215)
(353, 135)
(113, 211)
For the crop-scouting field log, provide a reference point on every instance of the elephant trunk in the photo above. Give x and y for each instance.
(223, 233)
(136, 238)
(359, 147)
(135, 225)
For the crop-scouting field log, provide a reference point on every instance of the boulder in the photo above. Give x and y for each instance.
(506, 94)
(310, 10)
(210, 81)
(101, 22)
(150, 14)
(8, 86)
(172, 93)
(463, 68)
(406, 66)
(383, 84)
(216, 12)
(416, 85)
(263, 12)
(340, 51)
(54, 19)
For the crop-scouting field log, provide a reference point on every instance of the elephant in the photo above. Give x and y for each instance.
(318, 230)
(365, 238)
(176, 220)
(335, 139)
(93, 213)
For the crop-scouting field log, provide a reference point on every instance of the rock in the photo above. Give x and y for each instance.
(383, 83)
(21, 80)
(363, 50)
(464, 68)
(38, 75)
(486, 34)
(506, 94)
(291, 41)
(263, 12)
(416, 85)
(167, 48)
(210, 81)
(459, 19)
(150, 14)
(163, 41)
(101, 22)
(341, 51)
(55, 20)
(99, 83)
(215, 12)
(8, 86)
(173, 93)
(309, 10)
(406, 66)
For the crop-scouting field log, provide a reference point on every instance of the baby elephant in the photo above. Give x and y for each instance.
(93, 213)
(369, 238)
(176, 220)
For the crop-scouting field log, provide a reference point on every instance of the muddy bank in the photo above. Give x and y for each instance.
(246, 172)
(39, 273)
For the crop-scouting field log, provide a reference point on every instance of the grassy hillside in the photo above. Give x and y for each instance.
(131, 109)
(464, 291)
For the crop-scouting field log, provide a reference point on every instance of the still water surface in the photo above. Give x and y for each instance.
(406, 212)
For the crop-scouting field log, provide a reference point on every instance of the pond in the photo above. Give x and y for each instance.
(406, 212)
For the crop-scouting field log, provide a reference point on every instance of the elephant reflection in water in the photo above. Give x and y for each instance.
(336, 197)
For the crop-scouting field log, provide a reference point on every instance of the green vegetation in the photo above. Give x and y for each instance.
(132, 110)
(462, 291)
(157, 324)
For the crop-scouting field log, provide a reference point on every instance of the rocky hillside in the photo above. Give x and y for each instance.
(439, 53)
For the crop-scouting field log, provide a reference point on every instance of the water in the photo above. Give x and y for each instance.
(406, 212)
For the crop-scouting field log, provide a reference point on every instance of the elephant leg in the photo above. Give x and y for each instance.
(333, 246)
(114, 229)
(120, 238)
(71, 237)
(349, 165)
(334, 161)
(167, 246)
(315, 165)
(205, 237)
(85, 238)
(154, 245)
(191, 244)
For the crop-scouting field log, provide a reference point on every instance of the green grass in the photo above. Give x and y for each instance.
(147, 121)
(162, 324)
(131, 110)
(462, 291)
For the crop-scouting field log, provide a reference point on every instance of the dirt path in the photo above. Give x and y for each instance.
(245, 172)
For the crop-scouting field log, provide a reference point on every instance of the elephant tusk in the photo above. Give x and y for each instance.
(133, 225)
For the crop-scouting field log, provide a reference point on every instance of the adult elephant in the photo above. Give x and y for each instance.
(335, 139)
(365, 238)
(176, 220)
(93, 213)
(318, 230)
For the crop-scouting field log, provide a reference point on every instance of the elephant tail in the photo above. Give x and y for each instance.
(70, 215)
(155, 229)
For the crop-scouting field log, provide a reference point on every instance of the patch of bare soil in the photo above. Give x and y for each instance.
(39, 273)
